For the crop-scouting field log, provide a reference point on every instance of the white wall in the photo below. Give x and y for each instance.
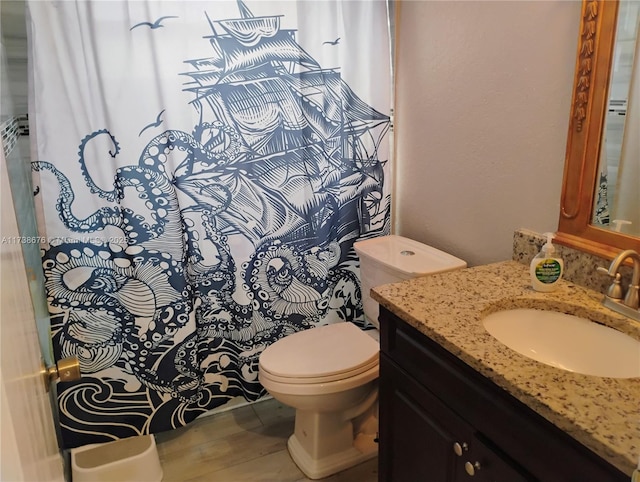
(482, 110)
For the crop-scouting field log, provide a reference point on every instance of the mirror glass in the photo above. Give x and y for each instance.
(616, 204)
(597, 190)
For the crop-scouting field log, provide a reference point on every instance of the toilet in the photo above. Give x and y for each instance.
(329, 373)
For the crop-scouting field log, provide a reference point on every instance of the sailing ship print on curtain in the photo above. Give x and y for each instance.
(189, 230)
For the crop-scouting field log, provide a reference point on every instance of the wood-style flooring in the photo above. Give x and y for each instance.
(246, 444)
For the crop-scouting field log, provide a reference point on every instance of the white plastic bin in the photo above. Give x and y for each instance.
(133, 459)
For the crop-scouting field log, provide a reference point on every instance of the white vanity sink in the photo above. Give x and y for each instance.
(566, 341)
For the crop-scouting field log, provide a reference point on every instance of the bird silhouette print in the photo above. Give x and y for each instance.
(154, 25)
(332, 42)
(153, 124)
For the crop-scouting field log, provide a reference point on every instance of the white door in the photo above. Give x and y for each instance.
(29, 449)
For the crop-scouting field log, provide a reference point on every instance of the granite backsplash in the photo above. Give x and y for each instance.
(579, 267)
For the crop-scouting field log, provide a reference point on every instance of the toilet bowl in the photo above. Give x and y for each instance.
(329, 373)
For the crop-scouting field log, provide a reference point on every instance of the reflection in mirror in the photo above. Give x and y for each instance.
(586, 159)
(617, 196)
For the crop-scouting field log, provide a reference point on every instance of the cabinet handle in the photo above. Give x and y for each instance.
(460, 448)
(471, 468)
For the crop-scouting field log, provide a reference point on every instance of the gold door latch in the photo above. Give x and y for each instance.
(65, 370)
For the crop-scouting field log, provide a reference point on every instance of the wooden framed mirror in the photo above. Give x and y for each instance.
(589, 106)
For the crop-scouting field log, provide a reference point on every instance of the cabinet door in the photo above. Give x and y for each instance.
(417, 432)
(421, 439)
(486, 463)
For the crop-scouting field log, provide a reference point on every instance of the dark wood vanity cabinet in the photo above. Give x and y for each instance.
(423, 440)
(441, 421)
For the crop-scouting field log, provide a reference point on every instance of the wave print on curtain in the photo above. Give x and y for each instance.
(221, 239)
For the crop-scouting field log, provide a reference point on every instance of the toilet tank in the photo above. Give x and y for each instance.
(390, 259)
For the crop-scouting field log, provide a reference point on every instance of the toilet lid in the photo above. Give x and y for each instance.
(320, 353)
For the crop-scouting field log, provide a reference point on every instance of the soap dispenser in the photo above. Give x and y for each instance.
(546, 267)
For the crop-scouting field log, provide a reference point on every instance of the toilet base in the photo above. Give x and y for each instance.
(364, 448)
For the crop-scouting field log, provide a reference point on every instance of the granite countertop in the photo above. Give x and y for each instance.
(601, 413)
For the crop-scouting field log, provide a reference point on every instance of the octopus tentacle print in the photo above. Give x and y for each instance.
(219, 240)
(106, 297)
(111, 195)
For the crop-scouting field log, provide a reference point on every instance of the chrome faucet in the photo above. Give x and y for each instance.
(628, 304)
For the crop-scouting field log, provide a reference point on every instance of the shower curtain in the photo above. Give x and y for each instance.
(202, 170)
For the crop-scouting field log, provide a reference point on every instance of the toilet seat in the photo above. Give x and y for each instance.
(313, 380)
(320, 355)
